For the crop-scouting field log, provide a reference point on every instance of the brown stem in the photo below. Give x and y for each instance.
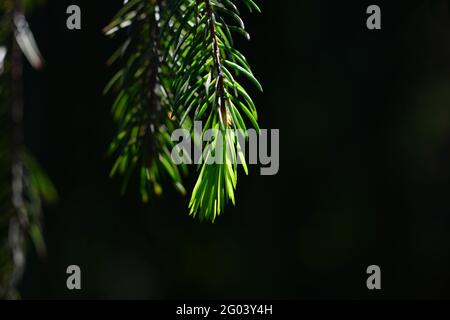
(217, 61)
(18, 221)
(151, 83)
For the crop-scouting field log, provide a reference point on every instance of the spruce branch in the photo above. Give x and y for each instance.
(23, 185)
(141, 111)
(207, 67)
(198, 71)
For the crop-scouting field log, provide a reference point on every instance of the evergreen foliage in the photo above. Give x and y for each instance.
(23, 184)
(180, 65)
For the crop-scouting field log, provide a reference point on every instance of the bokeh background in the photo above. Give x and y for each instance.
(365, 164)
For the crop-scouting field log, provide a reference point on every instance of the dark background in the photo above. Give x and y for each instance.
(365, 158)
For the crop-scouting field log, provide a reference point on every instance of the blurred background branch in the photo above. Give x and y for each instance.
(23, 185)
